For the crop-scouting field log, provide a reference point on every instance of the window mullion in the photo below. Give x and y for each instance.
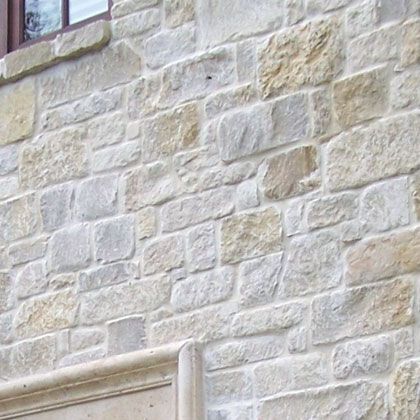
(4, 25)
(66, 12)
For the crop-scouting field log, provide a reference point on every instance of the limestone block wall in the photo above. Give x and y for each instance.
(243, 172)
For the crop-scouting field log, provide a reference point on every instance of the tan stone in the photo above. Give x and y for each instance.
(289, 174)
(383, 257)
(54, 158)
(309, 54)
(410, 53)
(18, 218)
(86, 39)
(251, 235)
(171, 132)
(48, 313)
(17, 111)
(29, 60)
(361, 97)
(384, 149)
(178, 12)
(405, 390)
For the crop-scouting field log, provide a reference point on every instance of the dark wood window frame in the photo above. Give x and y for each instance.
(12, 15)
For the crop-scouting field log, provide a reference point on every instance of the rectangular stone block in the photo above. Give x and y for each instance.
(290, 374)
(291, 59)
(361, 311)
(274, 319)
(332, 402)
(56, 206)
(362, 357)
(220, 22)
(48, 313)
(171, 132)
(382, 257)
(200, 208)
(202, 289)
(359, 149)
(410, 51)
(31, 280)
(83, 338)
(250, 235)
(54, 158)
(118, 156)
(228, 387)
(17, 110)
(126, 334)
(201, 248)
(123, 300)
(27, 251)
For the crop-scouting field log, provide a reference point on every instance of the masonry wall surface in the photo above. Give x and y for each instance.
(243, 172)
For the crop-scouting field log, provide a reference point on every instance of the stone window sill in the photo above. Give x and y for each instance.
(42, 55)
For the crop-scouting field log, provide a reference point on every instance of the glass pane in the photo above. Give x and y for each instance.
(84, 9)
(41, 17)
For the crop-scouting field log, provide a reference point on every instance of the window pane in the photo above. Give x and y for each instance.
(41, 17)
(84, 9)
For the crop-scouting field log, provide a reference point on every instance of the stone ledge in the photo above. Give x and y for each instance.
(67, 46)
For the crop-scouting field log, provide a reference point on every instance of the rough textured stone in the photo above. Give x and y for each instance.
(193, 210)
(136, 24)
(227, 387)
(197, 77)
(332, 402)
(394, 139)
(146, 223)
(316, 6)
(118, 156)
(361, 311)
(148, 185)
(416, 194)
(54, 158)
(107, 275)
(47, 313)
(18, 218)
(313, 265)
(309, 54)
(9, 186)
(81, 339)
(202, 290)
(205, 325)
(383, 257)
(124, 299)
(247, 195)
(362, 357)
(290, 374)
(70, 249)
(405, 390)
(6, 284)
(164, 254)
(31, 280)
(331, 210)
(178, 12)
(169, 46)
(125, 335)
(201, 248)
(106, 130)
(27, 251)
(114, 239)
(231, 413)
(55, 207)
(361, 97)
(259, 278)
(410, 53)
(8, 159)
(385, 206)
(250, 235)
(362, 18)
(6, 334)
(248, 350)
(290, 173)
(17, 110)
(274, 319)
(404, 92)
(220, 23)
(171, 132)
(96, 197)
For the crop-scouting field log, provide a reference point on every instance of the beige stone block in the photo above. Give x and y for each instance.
(48, 313)
(54, 158)
(17, 110)
(382, 257)
(289, 174)
(171, 132)
(405, 390)
(178, 12)
(361, 97)
(410, 52)
(352, 159)
(306, 55)
(250, 235)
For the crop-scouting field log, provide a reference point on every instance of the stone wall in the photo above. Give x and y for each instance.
(244, 172)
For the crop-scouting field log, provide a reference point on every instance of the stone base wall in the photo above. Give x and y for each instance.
(246, 173)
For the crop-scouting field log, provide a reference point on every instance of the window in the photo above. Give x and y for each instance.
(23, 22)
